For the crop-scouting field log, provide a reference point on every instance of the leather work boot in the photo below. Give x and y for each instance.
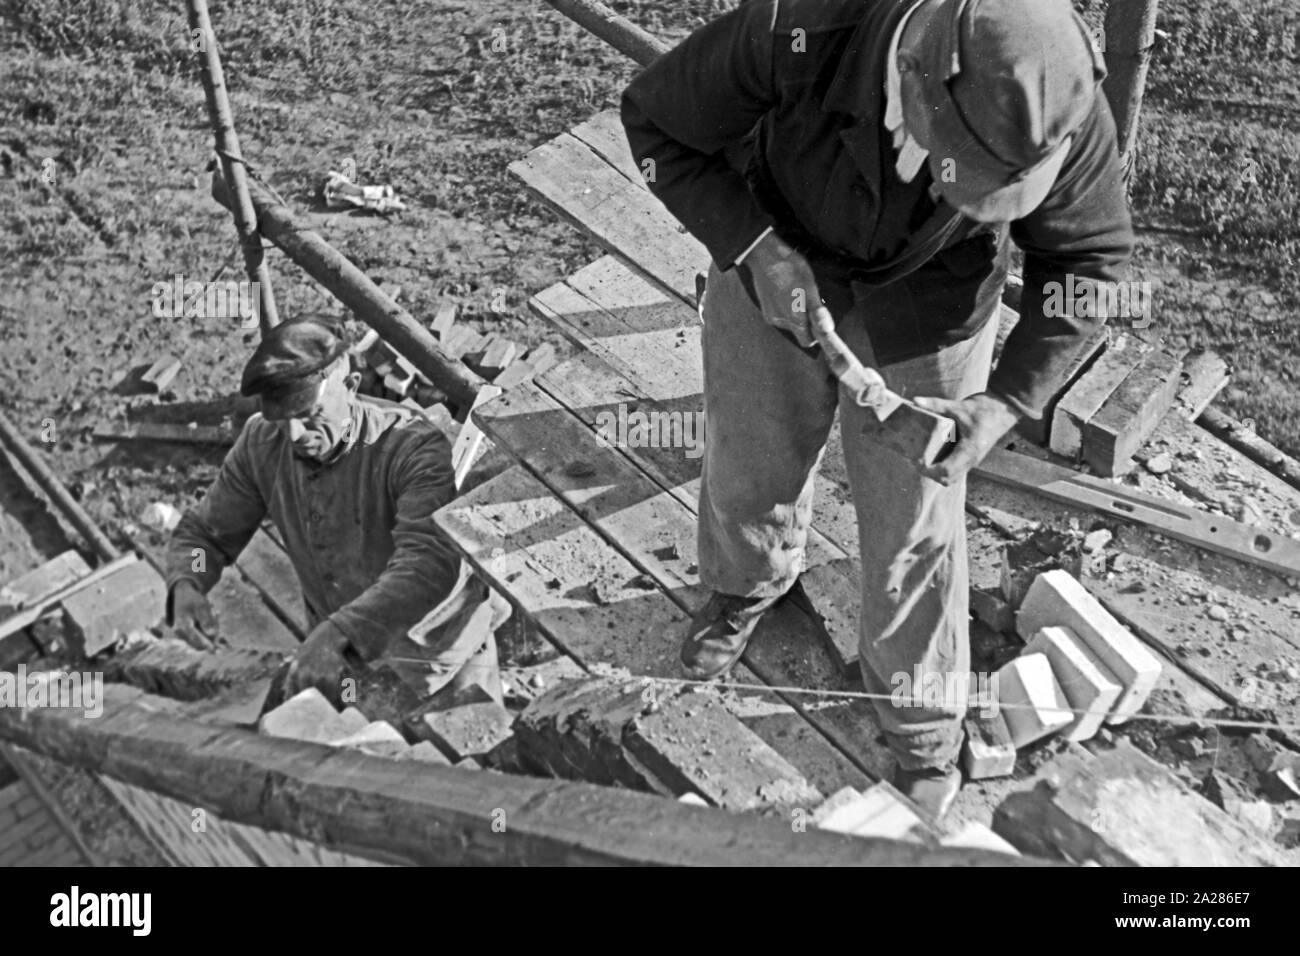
(718, 633)
(933, 789)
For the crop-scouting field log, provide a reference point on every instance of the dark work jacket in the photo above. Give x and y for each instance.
(774, 115)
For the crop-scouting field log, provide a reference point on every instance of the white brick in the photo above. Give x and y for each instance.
(380, 739)
(876, 813)
(1088, 684)
(1030, 699)
(977, 836)
(1056, 598)
(307, 716)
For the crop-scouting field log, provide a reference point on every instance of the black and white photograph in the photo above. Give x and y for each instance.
(653, 433)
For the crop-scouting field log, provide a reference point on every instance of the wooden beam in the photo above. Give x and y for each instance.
(618, 32)
(49, 483)
(164, 432)
(423, 813)
(232, 162)
(1130, 34)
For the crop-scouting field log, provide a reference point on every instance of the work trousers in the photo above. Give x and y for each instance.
(769, 407)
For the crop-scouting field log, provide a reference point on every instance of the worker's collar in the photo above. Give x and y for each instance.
(893, 78)
(351, 432)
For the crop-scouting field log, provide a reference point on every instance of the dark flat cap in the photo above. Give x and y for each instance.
(289, 364)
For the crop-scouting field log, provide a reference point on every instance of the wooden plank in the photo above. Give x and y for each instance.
(597, 607)
(164, 432)
(642, 520)
(266, 566)
(1131, 413)
(1221, 535)
(620, 215)
(604, 134)
(422, 813)
(1205, 375)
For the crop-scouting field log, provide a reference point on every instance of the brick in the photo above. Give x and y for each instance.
(518, 372)
(1128, 417)
(843, 797)
(988, 750)
(380, 739)
(424, 752)
(443, 320)
(619, 730)
(691, 742)
(1087, 685)
(401, 378)
(1121, 808)
(308, 716)
(1056, 598)
(158, 376)
(1038, 431)
(40, 583)
(1089, 393)
(495, 358)
(542, 357)
(993, 609)
(878, 812)
(1030, 699)
(468, 731)
(977, 836)
(98, 616)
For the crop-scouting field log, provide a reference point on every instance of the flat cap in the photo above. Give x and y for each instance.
(289, 364)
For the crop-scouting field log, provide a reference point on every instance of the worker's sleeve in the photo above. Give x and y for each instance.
(424, 567)
(1082, 229)
(688, 106)
(212, 535)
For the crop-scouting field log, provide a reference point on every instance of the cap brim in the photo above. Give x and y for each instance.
(292, 401)
(986, 197)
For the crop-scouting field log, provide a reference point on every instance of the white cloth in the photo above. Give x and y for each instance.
(910, 153)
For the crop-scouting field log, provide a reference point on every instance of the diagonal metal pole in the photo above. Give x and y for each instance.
(232, 163)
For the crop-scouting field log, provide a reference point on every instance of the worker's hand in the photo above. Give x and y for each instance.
(192, 617)
(981, 420)
(319, 663)
(785, 285)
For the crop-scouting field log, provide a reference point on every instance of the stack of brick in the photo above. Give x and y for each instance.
(1080, 667)
(310, 717)
(621, 731)
(29, 834)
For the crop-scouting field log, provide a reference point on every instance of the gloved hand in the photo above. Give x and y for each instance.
(785, 286)
(319, 663)
(981, 420)
(192, 616)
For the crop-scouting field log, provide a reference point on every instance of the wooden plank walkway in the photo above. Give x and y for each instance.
(598, 544)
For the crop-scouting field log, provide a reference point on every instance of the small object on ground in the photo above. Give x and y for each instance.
(1160, 464)
(160, 517)
(160, 374)
(340, 192)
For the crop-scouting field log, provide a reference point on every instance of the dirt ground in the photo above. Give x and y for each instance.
(103, 193)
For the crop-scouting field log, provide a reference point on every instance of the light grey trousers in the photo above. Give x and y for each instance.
(769, 408)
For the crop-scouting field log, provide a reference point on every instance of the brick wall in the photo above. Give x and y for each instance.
(29, 834)
(172, 825)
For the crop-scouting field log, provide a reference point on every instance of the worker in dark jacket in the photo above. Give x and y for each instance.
(875, 158)
(351, 484)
